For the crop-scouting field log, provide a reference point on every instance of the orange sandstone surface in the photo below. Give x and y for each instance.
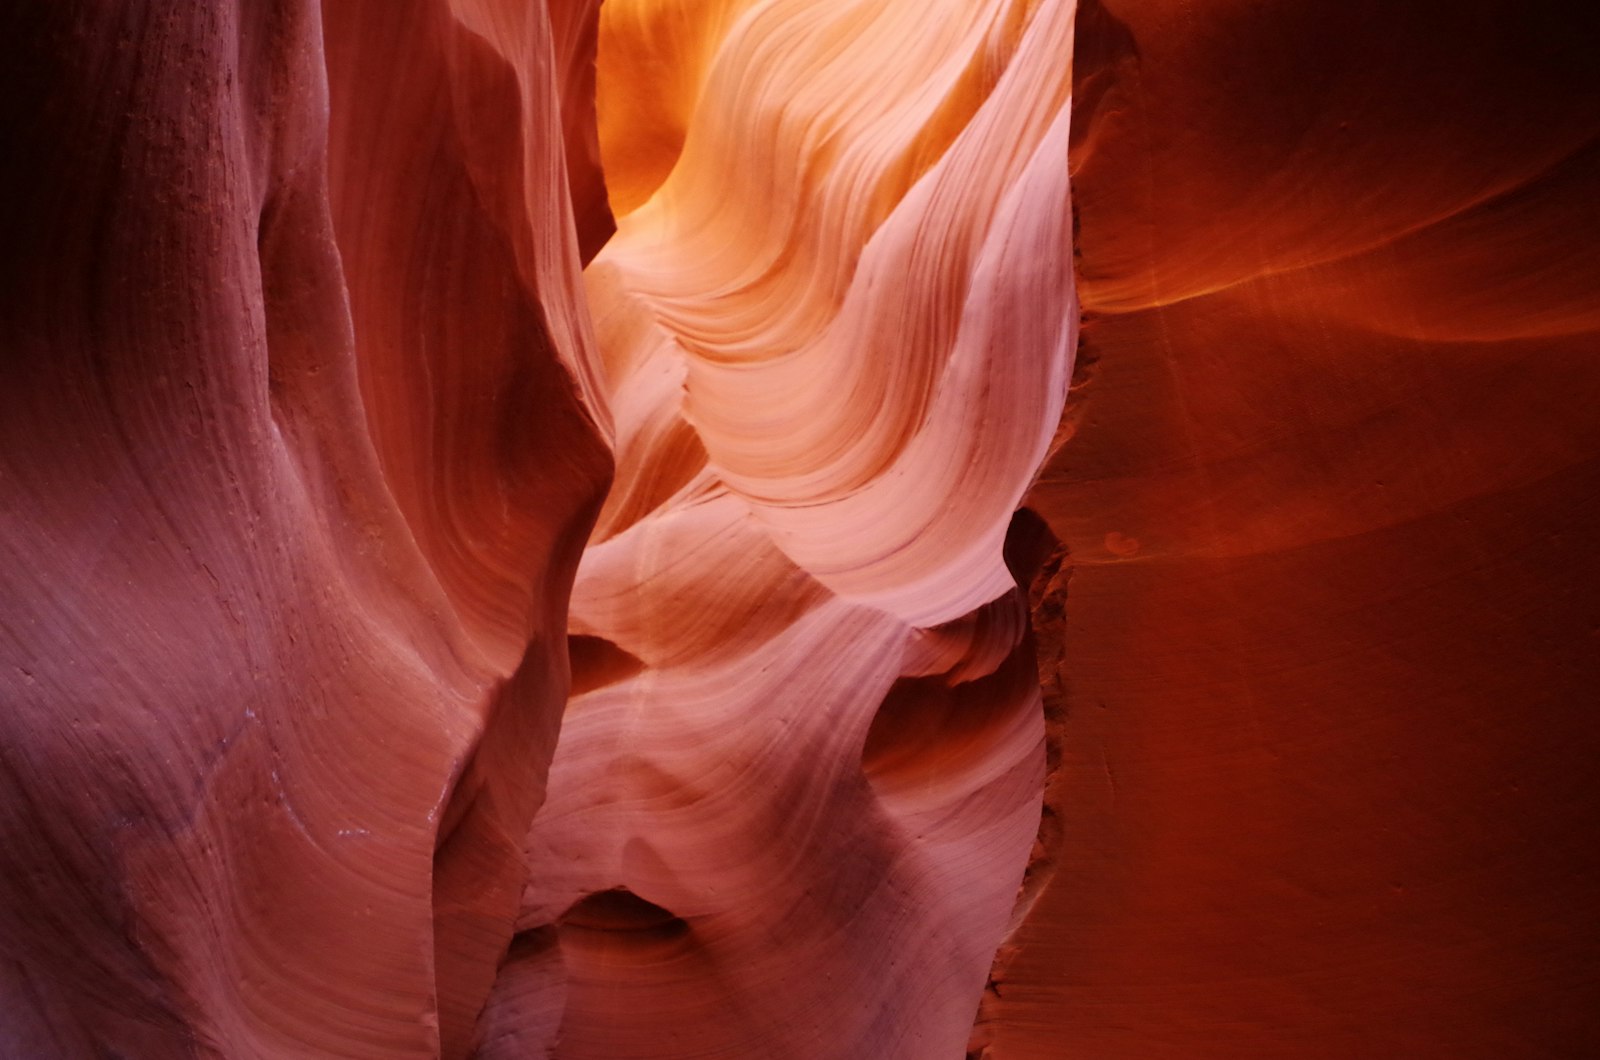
(799, 778)
(547, 528)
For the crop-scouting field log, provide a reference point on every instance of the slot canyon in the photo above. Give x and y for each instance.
(799, 529)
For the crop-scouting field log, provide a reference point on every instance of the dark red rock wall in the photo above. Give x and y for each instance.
(1330, 653)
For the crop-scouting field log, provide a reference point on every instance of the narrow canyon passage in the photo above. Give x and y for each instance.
(664, 529)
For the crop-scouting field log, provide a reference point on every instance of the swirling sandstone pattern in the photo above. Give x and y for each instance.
(306, 424)
(386, 386)
(797, 788)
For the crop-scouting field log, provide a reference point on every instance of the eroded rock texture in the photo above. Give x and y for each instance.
(308, 413)
(387, 386)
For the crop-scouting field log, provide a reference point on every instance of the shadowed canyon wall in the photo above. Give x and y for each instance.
(509, 532)
(1329, 650)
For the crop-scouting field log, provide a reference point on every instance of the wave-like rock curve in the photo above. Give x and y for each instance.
(835, 337)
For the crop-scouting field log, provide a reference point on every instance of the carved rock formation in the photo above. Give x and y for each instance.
(306, 425)
(510, 539)
(836, 337)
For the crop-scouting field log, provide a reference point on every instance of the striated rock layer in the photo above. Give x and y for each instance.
(1331, 505)
(799, 781)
